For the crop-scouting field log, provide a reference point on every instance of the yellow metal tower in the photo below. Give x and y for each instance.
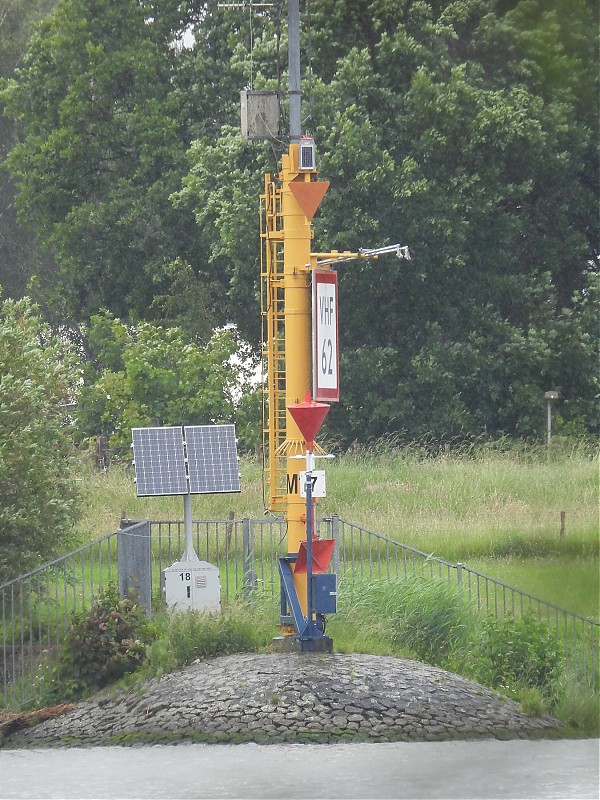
(287, 208)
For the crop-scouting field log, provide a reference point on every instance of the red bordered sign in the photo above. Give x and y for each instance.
(326, 366)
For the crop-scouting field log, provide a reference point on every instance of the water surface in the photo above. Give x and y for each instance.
(483, 769)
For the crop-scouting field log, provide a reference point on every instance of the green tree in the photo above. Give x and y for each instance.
(468, 134)
(103, 148)
(153, 375)
(20, 254)
(37, 462)
(465, 129)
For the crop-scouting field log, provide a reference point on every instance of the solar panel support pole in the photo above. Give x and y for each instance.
(189, 554)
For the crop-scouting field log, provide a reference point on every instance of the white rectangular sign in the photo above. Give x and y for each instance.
(317, 485)
(325, 336)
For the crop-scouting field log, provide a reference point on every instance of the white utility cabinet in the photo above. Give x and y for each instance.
(192, 585)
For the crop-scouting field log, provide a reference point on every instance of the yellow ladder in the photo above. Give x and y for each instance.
(273, 346)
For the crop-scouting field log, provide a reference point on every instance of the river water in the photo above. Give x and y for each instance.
(483, 769)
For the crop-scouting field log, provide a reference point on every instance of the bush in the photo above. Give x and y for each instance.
(40, 502)
(102, 645)
(513, 653)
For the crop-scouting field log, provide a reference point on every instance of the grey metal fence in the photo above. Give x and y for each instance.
(36, 609)
(366, 554)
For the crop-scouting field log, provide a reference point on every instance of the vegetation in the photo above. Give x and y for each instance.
(465, 130)
(115, 639)
(474, 122)
(101, 646)
(489, 500)
(430, 621)
(426, 620)
(495, 507)
(156, 376)
(188, 636)
(39, 500)
(453, 495)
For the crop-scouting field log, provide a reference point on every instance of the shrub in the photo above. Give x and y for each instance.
(512, 653)
(102, 645)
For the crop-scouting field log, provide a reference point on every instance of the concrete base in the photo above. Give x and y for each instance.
(291, 644)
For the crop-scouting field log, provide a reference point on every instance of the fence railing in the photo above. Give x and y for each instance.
(36, 609)
(371, 555)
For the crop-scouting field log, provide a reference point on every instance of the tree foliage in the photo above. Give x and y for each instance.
(465, 129)
(151, 375)
(105, 146)
(20, 254)
(461, 131)
(39, 502)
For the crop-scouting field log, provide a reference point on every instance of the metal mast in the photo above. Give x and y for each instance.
(295, 93)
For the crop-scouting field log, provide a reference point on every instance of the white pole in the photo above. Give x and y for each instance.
(189, 554)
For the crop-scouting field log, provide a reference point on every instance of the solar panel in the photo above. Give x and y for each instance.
(212, 459)
(159, 461)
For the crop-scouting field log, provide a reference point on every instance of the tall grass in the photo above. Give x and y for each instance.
(487, 501)
(428, 619)
(433, 622)
(495, 504)
(110, 496)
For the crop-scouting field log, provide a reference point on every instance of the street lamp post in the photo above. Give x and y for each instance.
(549, 397)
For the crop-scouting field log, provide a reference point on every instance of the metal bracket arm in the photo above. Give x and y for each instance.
(336, 257)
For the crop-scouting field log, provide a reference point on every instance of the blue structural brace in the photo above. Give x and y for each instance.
(289, 598)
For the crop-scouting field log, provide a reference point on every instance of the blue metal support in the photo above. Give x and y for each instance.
(289, 590)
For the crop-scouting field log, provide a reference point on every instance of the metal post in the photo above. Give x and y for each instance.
(310, 628)
(294, 70)
(335, 534)
(549, 397)
(189, 554)
(297, 322)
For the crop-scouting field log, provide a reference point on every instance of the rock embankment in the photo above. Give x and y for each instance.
(292, 698)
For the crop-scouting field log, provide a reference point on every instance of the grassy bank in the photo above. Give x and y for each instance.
(495, 507)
